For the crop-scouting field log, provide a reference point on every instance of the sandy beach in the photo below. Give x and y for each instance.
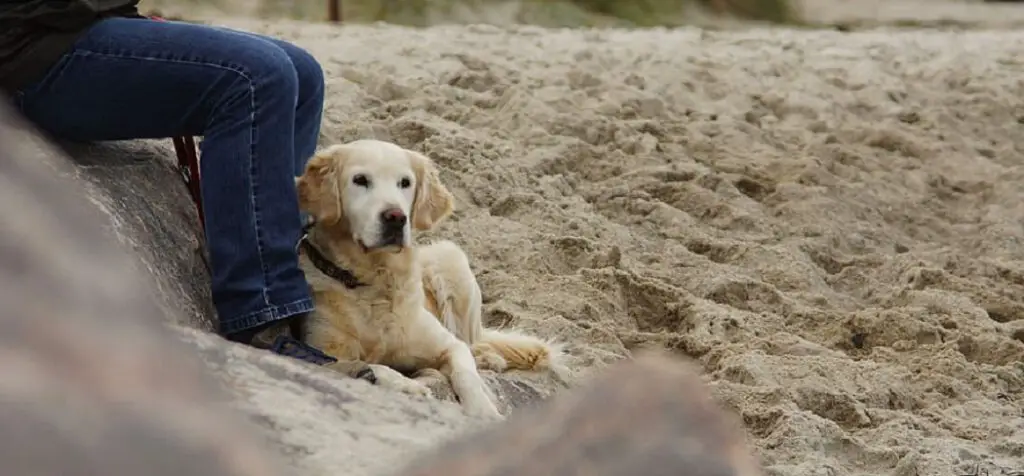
(830, 223)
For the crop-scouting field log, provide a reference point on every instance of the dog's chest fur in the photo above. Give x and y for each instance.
(371, 322)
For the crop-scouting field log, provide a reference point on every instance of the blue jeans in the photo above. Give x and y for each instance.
(256, 101)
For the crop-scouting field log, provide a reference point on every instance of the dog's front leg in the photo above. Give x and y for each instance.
(390, 378)
(436, 344)
(380, 375)
(460, 368)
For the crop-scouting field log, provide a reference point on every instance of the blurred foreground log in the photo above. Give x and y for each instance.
(651, 416)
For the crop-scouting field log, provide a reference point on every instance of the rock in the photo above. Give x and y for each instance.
(147, 208)
(650, 416)
(320, 422)
(91, 386)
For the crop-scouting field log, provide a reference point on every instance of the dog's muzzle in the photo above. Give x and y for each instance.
(392, 222)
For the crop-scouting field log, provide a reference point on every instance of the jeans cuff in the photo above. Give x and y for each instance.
(266, 315)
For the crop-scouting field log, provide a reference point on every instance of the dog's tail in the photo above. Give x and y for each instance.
(510, 349)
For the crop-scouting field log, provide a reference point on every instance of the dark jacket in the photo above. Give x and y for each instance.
(34, 34)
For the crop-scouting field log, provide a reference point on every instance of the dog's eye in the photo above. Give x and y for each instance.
(361, 180)
(405, 183)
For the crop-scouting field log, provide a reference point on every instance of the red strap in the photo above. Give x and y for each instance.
(188, 166)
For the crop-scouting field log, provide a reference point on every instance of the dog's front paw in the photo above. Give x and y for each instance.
(393, 380)
(355, 369)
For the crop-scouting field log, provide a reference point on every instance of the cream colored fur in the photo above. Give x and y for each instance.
(421, 306)
(454, 297)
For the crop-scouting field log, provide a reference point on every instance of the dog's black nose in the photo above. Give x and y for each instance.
(393, 217)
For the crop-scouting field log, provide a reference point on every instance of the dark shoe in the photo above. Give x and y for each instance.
(278, 337)
(292, 347)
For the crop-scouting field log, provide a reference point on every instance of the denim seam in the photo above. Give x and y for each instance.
(56, 72)
(270, 314)
(265, 291)
(241, 71)
(253, 190)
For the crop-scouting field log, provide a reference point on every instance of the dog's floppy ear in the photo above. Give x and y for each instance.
(433, 202)
(319, 186)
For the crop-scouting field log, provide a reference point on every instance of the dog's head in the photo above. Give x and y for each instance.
(376, 191)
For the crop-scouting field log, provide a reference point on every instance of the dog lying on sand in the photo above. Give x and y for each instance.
(386, 303)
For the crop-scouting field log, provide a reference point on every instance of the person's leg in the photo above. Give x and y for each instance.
(309, 108)
(131, 78)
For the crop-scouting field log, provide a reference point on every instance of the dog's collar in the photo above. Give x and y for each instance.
(324, 264)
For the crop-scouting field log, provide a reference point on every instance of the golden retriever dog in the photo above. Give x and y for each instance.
(384, 302)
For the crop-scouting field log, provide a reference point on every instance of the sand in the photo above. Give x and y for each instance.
(829, 223)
